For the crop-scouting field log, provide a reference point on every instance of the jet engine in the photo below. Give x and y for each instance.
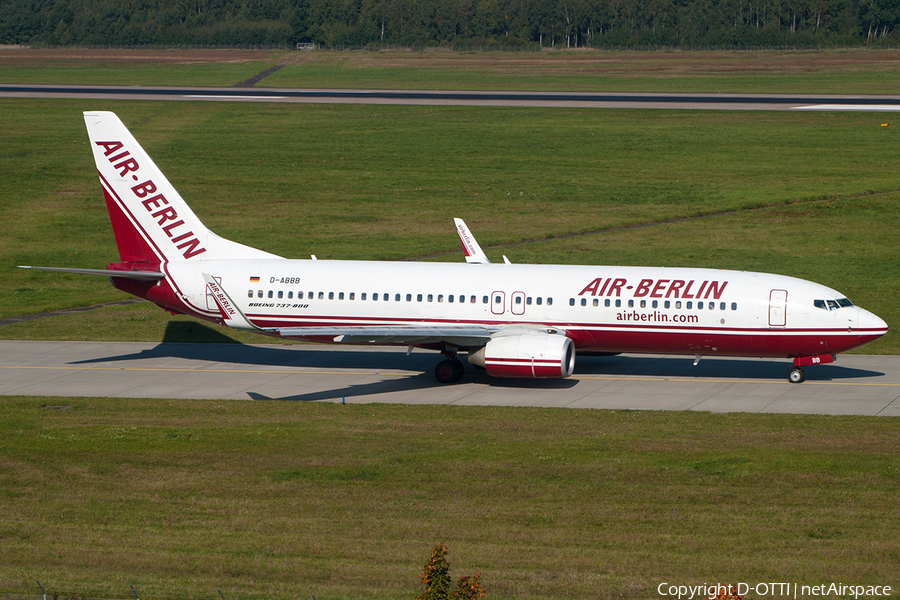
(537, 355)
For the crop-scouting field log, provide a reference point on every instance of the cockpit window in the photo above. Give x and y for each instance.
(832, 304)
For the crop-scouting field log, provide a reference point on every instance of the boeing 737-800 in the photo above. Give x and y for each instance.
(513, 320)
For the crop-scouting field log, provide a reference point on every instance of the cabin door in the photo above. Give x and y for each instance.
(778, 308)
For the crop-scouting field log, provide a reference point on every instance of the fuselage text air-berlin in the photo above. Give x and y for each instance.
(156, 204)
(655, 288)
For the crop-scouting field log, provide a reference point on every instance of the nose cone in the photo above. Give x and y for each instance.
(871, 326)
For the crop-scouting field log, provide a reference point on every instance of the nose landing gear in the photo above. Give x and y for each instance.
(796, 375)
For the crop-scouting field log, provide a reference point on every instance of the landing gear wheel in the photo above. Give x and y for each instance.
(449, 371)
(796, 375)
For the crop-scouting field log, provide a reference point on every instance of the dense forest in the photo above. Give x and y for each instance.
(565, 23)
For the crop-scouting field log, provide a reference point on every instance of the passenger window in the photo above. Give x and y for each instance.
(409, 297)
(528, 300)
(606, 303)
(484, 300)
(631, 304)
(712, 305)
(549, 301)
(321, 295)
(396, 297)
(352, 296)
(362, 296)
(450, 298)
(571, 301)
(300, 295)
(618, 303)
(584, 301)
(498, 299)
(331, 295)
(678, 304)
(721, 306)
(734, 306)
(596, 302)
(250, 293)
(539, 300)
(259, 294)
(690, 305)
(375, 297)
(666, 305)
(270, 293)
(518, 299)
(290, 295)
(280, 294)
(431, 297)
(656, 304)
(700, 305)
(340, 295)
(643, 304)
(418, 297)
(473, 300)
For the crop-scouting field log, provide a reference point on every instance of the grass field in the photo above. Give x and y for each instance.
(856, 71)
(284, 500)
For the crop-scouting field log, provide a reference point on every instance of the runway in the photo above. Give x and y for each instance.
(855, 385)
(874, 103)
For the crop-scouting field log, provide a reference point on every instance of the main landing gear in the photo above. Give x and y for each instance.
(450, 370)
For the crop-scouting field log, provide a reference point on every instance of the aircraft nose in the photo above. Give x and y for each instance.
(871, 324)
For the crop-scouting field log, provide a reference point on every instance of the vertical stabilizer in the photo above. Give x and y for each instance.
(150, 220)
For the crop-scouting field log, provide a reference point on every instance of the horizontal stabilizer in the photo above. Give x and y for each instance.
(136, 275)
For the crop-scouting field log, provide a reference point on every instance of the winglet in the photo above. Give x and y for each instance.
(231, 314)
(473, 252)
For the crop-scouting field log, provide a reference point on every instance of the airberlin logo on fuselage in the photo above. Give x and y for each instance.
(656, 288)
(156, 204)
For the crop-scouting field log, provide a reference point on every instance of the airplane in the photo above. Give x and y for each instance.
(512, 320)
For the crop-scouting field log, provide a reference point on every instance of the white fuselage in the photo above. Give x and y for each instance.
(603, 309)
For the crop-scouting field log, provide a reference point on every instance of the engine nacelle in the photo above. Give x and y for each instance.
(534, 355)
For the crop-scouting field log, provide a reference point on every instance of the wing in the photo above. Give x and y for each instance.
(473, 252)
(457, 335)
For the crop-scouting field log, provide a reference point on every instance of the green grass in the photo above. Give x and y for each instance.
(727, 72)
(284, 500)
(857, 71)
(383, 182)
(93, 72)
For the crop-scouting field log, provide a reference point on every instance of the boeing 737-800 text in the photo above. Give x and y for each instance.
(512, 320)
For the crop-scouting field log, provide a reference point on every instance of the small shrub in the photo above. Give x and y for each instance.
(436, 578)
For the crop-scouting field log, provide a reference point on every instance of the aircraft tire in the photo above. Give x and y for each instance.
(448, 371)
(796, 375)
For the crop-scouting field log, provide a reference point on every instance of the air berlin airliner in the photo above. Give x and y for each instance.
(511, 320)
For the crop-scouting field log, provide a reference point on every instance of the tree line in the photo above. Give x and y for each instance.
(546, 23)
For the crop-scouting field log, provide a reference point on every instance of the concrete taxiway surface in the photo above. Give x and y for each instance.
(855, 385)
